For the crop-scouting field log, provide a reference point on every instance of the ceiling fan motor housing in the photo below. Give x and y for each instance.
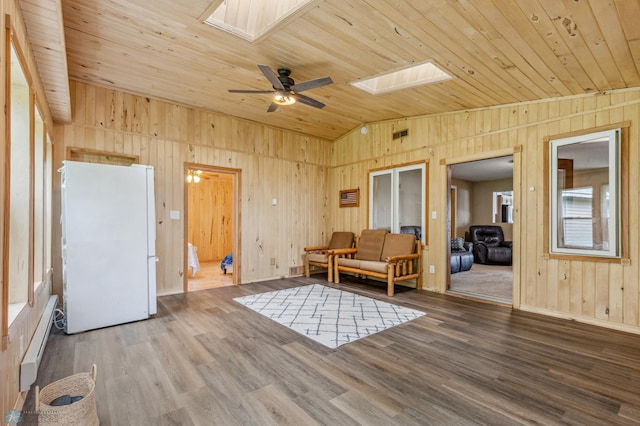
(283, 76)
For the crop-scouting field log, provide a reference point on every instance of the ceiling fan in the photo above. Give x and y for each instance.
(285, 89)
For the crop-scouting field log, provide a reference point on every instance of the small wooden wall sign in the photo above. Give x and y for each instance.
(350, 198)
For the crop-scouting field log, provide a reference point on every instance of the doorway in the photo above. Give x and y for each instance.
(211, 227)
(472, 199)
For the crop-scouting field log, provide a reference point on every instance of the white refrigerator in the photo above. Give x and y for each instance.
(108, 244)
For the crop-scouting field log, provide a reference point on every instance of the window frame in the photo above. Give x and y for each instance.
(12, 45)
(45, 172)
(622, 180)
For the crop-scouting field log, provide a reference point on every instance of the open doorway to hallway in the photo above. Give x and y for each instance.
(481, 194)
(210, 227)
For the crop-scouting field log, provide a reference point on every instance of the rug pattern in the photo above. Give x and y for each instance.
(327, 315)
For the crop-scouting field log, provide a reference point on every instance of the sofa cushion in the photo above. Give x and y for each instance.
(398, 244)
(371, 242)
(318, 258)
(373, 266)
(341, 240)
(351, 263)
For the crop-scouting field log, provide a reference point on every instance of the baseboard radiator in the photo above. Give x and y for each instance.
(31, 360)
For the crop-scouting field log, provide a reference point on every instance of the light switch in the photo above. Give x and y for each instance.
(174, 215)
(274, 202)
(434, 215)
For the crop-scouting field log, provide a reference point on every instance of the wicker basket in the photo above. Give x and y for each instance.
(80, 413)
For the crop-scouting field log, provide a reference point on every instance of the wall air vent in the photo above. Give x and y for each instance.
(401, 134)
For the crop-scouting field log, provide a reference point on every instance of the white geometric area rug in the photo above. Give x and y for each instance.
(327, 315)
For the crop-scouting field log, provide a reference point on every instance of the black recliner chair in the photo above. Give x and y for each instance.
(489, 246)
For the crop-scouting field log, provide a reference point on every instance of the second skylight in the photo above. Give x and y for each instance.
(418, 75)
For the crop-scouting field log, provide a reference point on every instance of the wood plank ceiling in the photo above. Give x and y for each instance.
(498, 51)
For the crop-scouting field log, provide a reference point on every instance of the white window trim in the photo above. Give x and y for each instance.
(614, 250)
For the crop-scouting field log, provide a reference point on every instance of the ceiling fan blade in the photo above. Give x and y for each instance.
(251, 91)
(272, 107)
(311, 84)
(272, 77)
(308, 101)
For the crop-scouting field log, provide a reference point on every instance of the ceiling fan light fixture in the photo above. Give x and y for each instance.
(194, 176)
(281, 99)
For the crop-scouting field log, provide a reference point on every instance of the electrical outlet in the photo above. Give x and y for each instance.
(432, 269)
(273, 261)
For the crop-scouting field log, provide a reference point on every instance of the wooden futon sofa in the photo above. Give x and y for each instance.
(380, 254)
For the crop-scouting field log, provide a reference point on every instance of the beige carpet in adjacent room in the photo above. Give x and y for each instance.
(485, 281)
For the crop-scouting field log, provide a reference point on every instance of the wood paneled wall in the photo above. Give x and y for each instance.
(274, 163)
(25, 324)
(594, 292)
(210, 216)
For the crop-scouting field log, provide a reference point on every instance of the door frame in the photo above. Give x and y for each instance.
(236, 219)
(516, 151)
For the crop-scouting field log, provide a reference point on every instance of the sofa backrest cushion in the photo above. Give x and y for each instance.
(370, 244)
(341, 240)
(490, 234)
(398, 244)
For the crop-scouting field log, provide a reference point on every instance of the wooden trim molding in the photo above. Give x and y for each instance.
(484, 155)
(7, 186)
(104, 157)
(397, 166)
(621, 125)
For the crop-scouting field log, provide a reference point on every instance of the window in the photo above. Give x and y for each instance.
(27, 221)
(39, 200)
(397, 200)
(17, 203)
(585, 194)
(48, 193)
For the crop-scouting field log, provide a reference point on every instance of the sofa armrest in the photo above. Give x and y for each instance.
(401, 258)
(316, 248)
(344, 251)
(506, 244)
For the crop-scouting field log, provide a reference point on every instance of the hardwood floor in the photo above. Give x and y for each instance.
(209, 276)
(205, 359)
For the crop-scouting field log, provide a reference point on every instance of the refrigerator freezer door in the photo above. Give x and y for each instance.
(106, 245)
(152, 260)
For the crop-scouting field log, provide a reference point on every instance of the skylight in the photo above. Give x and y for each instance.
(418, 75)
(252, 20)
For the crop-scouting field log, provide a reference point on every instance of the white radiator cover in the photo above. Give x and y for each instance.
(31, 360)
